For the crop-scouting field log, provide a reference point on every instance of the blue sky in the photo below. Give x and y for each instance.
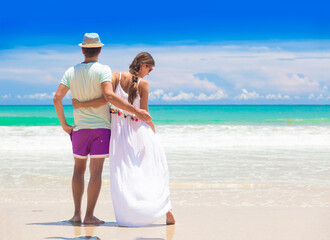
(207, 52)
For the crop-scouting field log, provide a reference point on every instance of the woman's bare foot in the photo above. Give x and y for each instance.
(93, 221)
(76, 219)
(170, 218)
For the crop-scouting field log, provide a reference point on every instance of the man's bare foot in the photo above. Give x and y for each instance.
(93, 221)
(76, 219)
(170, 218)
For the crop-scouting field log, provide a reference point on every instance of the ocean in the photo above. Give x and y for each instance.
(279, 115)
(237, 155)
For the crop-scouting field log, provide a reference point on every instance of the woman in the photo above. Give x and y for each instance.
(138, 167)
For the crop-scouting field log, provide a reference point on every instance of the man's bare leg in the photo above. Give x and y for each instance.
(94, 187)
(78, 187)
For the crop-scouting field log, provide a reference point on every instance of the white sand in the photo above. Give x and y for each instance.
(36, 214)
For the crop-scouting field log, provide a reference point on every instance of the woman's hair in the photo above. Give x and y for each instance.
(134, 68)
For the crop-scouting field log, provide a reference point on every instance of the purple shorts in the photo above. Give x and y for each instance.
(94, 142)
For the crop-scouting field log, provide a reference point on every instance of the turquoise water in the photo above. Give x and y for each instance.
(183, 115)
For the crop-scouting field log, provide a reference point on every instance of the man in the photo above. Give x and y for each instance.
(91, 133)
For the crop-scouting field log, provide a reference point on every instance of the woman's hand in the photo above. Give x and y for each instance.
(143, 115)
(152, 126)
(76, 103)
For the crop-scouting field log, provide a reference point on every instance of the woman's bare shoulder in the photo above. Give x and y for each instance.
(115, 75)
(115, 78)
(144, 83)
(125, 74)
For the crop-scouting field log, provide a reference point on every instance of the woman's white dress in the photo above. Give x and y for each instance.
(138, 170)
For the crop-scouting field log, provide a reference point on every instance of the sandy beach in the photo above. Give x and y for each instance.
(42, 214)
(244, 182)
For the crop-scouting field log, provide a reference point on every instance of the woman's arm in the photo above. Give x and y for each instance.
(144, 94)
(114, 99)
(93, 103)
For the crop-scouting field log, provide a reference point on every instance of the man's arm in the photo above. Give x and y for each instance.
(114, 99)
(59, 95)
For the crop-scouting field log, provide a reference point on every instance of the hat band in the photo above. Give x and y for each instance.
(93, 45)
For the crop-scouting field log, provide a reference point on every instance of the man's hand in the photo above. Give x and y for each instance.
(143, 115)
(68, 129)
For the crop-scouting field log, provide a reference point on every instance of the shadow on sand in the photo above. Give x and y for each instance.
(148, 226)
(149, 239)
(67, 223)
(76, 238)
(89, 230)
(106, 224)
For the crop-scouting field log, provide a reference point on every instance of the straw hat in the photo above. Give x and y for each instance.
(91, 40)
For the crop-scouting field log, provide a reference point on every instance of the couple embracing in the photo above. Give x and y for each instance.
(112, 110)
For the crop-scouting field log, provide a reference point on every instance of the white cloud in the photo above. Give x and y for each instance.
(155, 95)
(318, 97)
(262, 68)
(215, 96)
(43, 96)
(311, 96)
(204, 84)
(160, 94)
(278, 96)
(245, 95)
(293, 81)
(19, 70)
(6, 96)
(40, 96)
(181, 96)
